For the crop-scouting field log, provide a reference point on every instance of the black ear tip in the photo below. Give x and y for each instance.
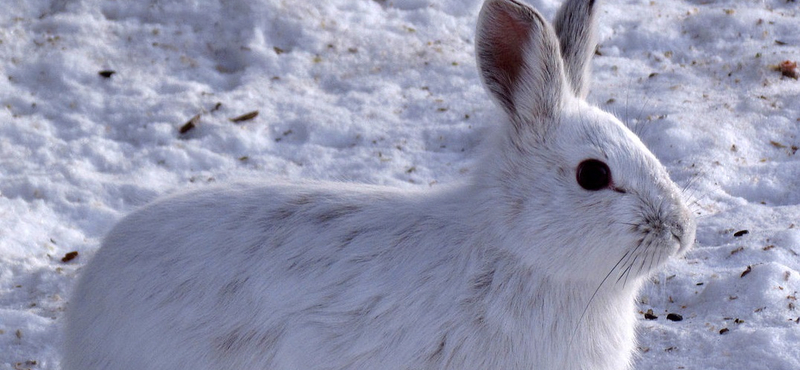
(590, 6)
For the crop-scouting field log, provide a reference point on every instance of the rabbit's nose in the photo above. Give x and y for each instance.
(683, 230)
(677, 232)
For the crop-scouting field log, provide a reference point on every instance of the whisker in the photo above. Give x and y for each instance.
(662, 255)
(631, 262)
(632, 254)
(644, 259)
(637, 124)
(694, 203)
(591, 299)
(656, 258)
(692, 181)
(626, 273)
(688, 190)
(641, 109)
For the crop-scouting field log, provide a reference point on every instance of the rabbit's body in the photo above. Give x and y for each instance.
(338, 277)
(534, 263)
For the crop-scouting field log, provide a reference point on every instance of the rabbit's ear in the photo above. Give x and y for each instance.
(575, 25)
(519, 61)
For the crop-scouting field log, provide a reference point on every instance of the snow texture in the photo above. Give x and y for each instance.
(386, 92)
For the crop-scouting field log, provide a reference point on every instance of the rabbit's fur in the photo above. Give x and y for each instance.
(519, 268)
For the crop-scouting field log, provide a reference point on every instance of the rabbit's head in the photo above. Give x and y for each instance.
(580, 196)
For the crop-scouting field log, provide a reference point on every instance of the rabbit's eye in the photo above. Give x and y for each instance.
(593, 175)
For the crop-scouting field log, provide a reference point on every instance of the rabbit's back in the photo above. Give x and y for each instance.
(258, 276)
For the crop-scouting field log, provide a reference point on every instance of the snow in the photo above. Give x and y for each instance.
(386, 92)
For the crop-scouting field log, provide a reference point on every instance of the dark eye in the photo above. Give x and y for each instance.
(593, 175)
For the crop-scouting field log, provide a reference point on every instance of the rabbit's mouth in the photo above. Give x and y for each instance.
(673, 236)
(685, 235)
(657, 242)
(678, 228)
(665, 229)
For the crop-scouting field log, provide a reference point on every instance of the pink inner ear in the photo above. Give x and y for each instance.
(505, 28)
(507, 37)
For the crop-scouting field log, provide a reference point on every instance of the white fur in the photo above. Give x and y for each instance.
(519, 268)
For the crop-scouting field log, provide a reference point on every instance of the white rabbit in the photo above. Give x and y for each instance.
(533, 264)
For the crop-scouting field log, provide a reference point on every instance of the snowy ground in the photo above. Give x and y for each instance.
(385, 91)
